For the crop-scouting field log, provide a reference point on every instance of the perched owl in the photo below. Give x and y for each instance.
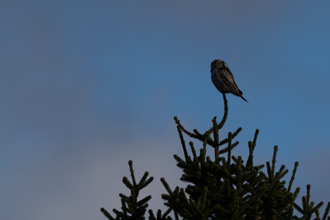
(223, 79)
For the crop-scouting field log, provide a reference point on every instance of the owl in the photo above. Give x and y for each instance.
(223, 79)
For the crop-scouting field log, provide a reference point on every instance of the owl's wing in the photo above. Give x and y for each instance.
(228, 79)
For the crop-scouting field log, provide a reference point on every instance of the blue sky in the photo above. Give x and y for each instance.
(88, 85)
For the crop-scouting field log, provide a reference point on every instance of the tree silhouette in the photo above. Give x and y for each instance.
(225, 187)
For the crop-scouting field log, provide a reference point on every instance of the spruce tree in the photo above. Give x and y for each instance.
(226, 187)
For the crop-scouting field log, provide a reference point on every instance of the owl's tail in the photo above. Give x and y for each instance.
(244, 99)
(241, 95)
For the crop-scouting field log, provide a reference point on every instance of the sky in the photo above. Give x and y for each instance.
(86, 86)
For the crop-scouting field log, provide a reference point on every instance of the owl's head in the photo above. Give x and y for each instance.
(218, 64)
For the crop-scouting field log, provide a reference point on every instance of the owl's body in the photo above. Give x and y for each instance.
(223, 79)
